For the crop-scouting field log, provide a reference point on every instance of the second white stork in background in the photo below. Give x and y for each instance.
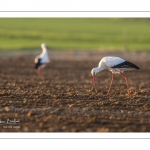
(42, 59)
(116, 65)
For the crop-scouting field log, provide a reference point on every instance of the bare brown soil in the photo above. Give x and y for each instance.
(64, 100)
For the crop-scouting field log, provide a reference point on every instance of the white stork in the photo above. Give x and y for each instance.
(42, 59)
(116, 65)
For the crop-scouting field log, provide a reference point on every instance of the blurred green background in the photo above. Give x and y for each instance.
(132, 34)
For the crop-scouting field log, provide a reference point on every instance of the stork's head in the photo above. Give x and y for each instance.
(44, 47)
(93, 72)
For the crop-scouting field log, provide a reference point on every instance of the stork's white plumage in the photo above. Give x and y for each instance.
(42, 59)
(116, 65)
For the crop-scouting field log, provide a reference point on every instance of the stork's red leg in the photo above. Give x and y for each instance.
(40, 72)
(126, 82)
(112, 80)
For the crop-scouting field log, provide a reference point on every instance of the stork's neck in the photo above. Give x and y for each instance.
(98, 69)
(44, 50)
(101, 67)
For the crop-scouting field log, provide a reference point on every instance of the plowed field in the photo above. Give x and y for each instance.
(64, 100)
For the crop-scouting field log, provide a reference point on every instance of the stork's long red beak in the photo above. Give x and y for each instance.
(94, 80)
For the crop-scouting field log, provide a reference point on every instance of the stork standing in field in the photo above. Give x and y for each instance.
(116, 65)
(42, 59)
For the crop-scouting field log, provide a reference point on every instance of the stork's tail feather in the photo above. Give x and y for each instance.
(126, 64)
(36, 66)
(133, 65)
(38, 63)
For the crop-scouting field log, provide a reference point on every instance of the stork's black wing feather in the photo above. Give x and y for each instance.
(126, 64)
(38, 63)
